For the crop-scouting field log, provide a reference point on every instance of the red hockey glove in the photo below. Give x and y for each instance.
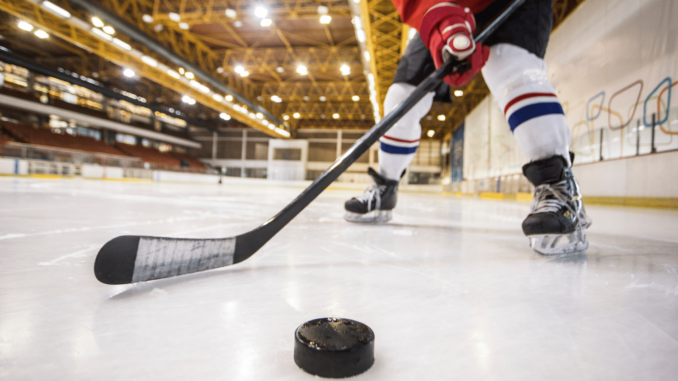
(448, 29)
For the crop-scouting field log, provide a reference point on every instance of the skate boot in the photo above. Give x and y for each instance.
(376, 203)
(557, 222)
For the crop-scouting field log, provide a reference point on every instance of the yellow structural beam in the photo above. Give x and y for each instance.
(383, 30)
(73, 31)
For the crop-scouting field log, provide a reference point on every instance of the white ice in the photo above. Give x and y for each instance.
(450, 288)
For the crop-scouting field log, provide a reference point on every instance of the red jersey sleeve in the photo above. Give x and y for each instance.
(412, 11)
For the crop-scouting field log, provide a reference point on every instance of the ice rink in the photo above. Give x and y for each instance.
(450, 288)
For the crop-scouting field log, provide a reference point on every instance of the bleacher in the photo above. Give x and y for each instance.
(25, 133)
(193, 163)
(149, 155)
(5, 139)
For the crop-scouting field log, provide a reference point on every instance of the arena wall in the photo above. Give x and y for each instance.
(615, 67)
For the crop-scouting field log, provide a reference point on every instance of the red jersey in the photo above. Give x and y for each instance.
(412, 11)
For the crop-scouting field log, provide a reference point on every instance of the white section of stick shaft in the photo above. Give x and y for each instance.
(167, 257)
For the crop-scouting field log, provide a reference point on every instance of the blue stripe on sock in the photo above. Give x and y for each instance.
(397, 150)
(533, 111)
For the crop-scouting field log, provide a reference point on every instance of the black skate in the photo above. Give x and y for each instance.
(557, 209)
(376, 203)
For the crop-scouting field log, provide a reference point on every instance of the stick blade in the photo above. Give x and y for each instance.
(132, 259)
(115, 262)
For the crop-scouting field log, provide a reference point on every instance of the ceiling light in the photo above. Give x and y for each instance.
(187, 99)
(229, 98)
(260, 12)
(183, 25)
(182, 71)
(224, 116)
(41, 34)
(220, 70)
(149, 61)
(286, 117)
(203, 89)
(441, 117)
(282, 132)
(279, 69)
(296, 115)
(56, 10)
(260, 115)
(244, 73)
(121, 44)
(251, 115)
(158, 27)
(237, 23)
(97, 22)
(265, 122)
(128, 73)
(266, 22)
(189, 75)
(458, 93)
(345, 69)
(322, 10)
(230, 13)
(335, 116)
(276, 99)
(325, 19)
(217, 97)
(173, 73)
(361, 35)
(99, 33)
(25, 26)
(301, 69)
(355, 98)
(109, 30)
(367, 56)
(239, 69)
(323, 98)
(174, 17)
(147, 19)
(430, 133)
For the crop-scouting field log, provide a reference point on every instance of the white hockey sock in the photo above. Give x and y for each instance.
(398, 145)
(517, 79)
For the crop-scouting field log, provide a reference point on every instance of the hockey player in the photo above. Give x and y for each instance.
(513, 68)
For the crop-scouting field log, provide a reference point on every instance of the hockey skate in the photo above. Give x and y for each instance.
(376, 204)
(557, 221)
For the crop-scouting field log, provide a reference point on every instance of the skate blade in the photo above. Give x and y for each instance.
(574, 243)
(373, 217)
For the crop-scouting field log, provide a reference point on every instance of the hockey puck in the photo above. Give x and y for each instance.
(334, 347)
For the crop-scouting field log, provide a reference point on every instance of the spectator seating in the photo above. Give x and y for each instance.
(5, 139)
(149, 155)
(193, 163)
(24, 133)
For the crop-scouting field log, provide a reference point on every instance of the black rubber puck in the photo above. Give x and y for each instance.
(334, 347)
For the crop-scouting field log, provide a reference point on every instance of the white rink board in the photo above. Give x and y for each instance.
(609, 61)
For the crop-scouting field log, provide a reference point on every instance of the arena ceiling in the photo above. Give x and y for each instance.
(303, 63)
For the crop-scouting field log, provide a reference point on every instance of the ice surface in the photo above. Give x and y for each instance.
(450, 288)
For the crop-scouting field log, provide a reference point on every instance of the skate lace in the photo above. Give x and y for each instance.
(560, 196)
(372, 192)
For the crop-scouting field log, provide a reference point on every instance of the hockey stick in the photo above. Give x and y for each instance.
(131, 259)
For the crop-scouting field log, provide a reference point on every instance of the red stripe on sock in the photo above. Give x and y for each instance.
(525, 96)
(401, 140)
